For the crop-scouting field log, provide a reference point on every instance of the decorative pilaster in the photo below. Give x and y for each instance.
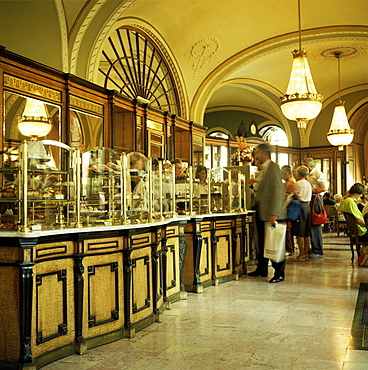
(127, 272)
(26, 295)
(214, 241)
(183, 245)
(81, 345)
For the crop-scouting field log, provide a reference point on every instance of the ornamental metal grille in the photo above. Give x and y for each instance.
(133, 65)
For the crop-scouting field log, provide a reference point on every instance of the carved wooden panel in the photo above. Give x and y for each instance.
(53, 309)
(51, 305)
(205, 258)
(223, 254)
(103, 293)
(103, 309)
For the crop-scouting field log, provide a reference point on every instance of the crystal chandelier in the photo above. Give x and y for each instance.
(340, 133)
(301, 101)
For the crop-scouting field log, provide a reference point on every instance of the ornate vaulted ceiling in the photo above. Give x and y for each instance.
(230, 56)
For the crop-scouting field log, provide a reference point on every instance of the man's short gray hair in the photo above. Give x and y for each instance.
(303, 171)
(309, 162)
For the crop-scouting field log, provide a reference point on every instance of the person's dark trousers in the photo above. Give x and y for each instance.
(262, 265)
(289, 240)
(316, 239)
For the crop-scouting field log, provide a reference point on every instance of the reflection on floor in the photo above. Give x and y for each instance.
(304, 323)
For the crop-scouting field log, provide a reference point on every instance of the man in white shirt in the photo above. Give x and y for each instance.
(318, 181)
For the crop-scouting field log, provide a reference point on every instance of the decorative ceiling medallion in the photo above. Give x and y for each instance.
(201, 52)
(347, 51)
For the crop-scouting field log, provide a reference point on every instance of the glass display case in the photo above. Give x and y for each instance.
(226, 190)
(138, 200)
(50, 201)
(201, 190)
(38, 186)
(163, 188)
(101, 202)
(48, 185)
(9, 189)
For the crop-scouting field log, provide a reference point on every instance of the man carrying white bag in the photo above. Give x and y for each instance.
(269, 206)
(274, 247)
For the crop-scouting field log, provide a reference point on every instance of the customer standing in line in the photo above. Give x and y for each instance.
(269, 200)
(301, 227)
(289, 184)
(318, 181)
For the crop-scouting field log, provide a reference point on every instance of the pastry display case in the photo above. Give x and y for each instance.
(138, 183)
(9, 189)
(38, 186)
(207, 191)
(163, 189)
(47, 185)
(101, 202)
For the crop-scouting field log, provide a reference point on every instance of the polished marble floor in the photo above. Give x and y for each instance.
(302, 323)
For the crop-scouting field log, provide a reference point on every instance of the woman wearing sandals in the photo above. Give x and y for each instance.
(301, 227)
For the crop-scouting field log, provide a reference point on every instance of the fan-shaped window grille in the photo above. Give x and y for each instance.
(274, 135)
(133, 65)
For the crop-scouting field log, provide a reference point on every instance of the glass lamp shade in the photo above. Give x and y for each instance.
(301, 101)
(340, 133)
(34, 121)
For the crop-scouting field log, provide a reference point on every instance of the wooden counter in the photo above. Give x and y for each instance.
(65, 291)
(218, 249)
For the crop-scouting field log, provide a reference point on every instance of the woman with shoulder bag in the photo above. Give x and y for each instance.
(301, 227)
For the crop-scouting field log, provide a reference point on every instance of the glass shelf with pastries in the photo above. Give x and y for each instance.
(226, 190)
(44, 186)
(201, 196)
(101, 197)
(163, 189)
(9, 189)
(138, 201)
(51, 198)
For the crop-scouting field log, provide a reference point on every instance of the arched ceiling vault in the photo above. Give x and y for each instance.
(210, 43)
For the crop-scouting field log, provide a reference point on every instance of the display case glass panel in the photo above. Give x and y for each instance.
(220, 190)
(201, 194)
(101, 187)
(50, 196)
(138, 192)
(9, 189)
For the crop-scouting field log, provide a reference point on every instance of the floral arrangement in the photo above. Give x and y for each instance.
(243, 154)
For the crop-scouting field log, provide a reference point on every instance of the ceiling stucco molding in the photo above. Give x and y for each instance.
(221, 129)
(202, 52)
(252, 82)
(248, 85)
(358, 120)
(64, 35)
(262, 49)
(344, 93)
(276, 108)
(348, 50)
(79, 32)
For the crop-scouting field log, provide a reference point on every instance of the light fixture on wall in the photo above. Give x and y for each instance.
(301, 102)
(340, 133)
(34, 122)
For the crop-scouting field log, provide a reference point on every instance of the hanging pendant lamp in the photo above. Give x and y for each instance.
(340, 133)
(301, 102)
